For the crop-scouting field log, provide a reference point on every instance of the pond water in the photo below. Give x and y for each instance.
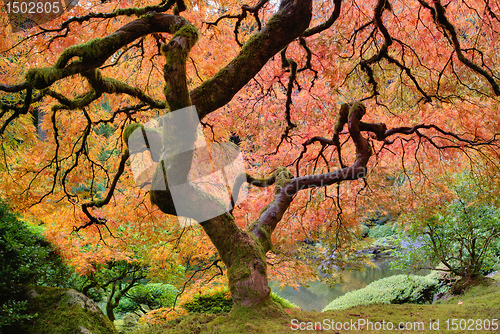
(317, 295)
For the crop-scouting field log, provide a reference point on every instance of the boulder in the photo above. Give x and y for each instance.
(62, 311)
(128, 324)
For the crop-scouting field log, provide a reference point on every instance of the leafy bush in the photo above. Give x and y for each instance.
(25, 258)
(127, 305)
(13, 311)
(154, 295)
(211, 302)
(381, 231)
(221, 302)
(282, 301)
(396, 289)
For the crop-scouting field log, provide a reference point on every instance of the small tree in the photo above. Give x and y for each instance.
(152, 295)
(117, 277)
(460, 238)
(120, 284)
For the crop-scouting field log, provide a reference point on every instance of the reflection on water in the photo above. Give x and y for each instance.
(318, 295)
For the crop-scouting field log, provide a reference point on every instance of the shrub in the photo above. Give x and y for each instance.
(154, 295)
(396, 289)
(127, 305)
(221, 302)
(211, 302)
(25, 258)
(381, 231)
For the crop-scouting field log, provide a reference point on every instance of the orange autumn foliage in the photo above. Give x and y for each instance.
(422, 80)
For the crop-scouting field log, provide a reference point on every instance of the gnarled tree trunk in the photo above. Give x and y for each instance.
(244, 252)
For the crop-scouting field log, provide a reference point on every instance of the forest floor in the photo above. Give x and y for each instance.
(477, 310)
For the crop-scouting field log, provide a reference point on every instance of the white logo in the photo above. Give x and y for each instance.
(176, 140)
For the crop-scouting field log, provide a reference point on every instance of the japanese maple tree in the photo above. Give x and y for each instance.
(316, 93)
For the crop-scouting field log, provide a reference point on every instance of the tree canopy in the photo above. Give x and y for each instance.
(390, 95)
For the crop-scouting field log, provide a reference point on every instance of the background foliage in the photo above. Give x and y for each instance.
(461, 236)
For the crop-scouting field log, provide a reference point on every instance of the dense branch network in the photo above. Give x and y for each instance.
(245, 9)
(288, 186)
(85, 60)
(288, 24)
(383, 52)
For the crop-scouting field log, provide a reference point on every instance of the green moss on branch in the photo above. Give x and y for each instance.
(176, 52)
(127, 132)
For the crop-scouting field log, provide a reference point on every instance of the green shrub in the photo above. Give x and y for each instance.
(282, 301)
(126, 305)
(381, 231)
(221, 302)
(154, 295)
(211, 302)
(25, 258)
(396, 289)
(14, 311)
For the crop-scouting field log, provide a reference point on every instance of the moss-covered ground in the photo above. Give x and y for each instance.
(57, 315)
(474, 310)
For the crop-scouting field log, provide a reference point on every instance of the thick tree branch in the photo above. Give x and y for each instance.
(441, 19)
(287, 24)
(113, 86)
(350, 114)
(14, 88)
(328, 23)
(178, 163)
(287, 186)
(119, 12)
(176, 53)
(86, 57)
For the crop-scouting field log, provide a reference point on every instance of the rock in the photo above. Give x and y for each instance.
(130, 319)
(492, 274)
(84, 330)
(79, 299)
(61, 311)
(130, 322)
